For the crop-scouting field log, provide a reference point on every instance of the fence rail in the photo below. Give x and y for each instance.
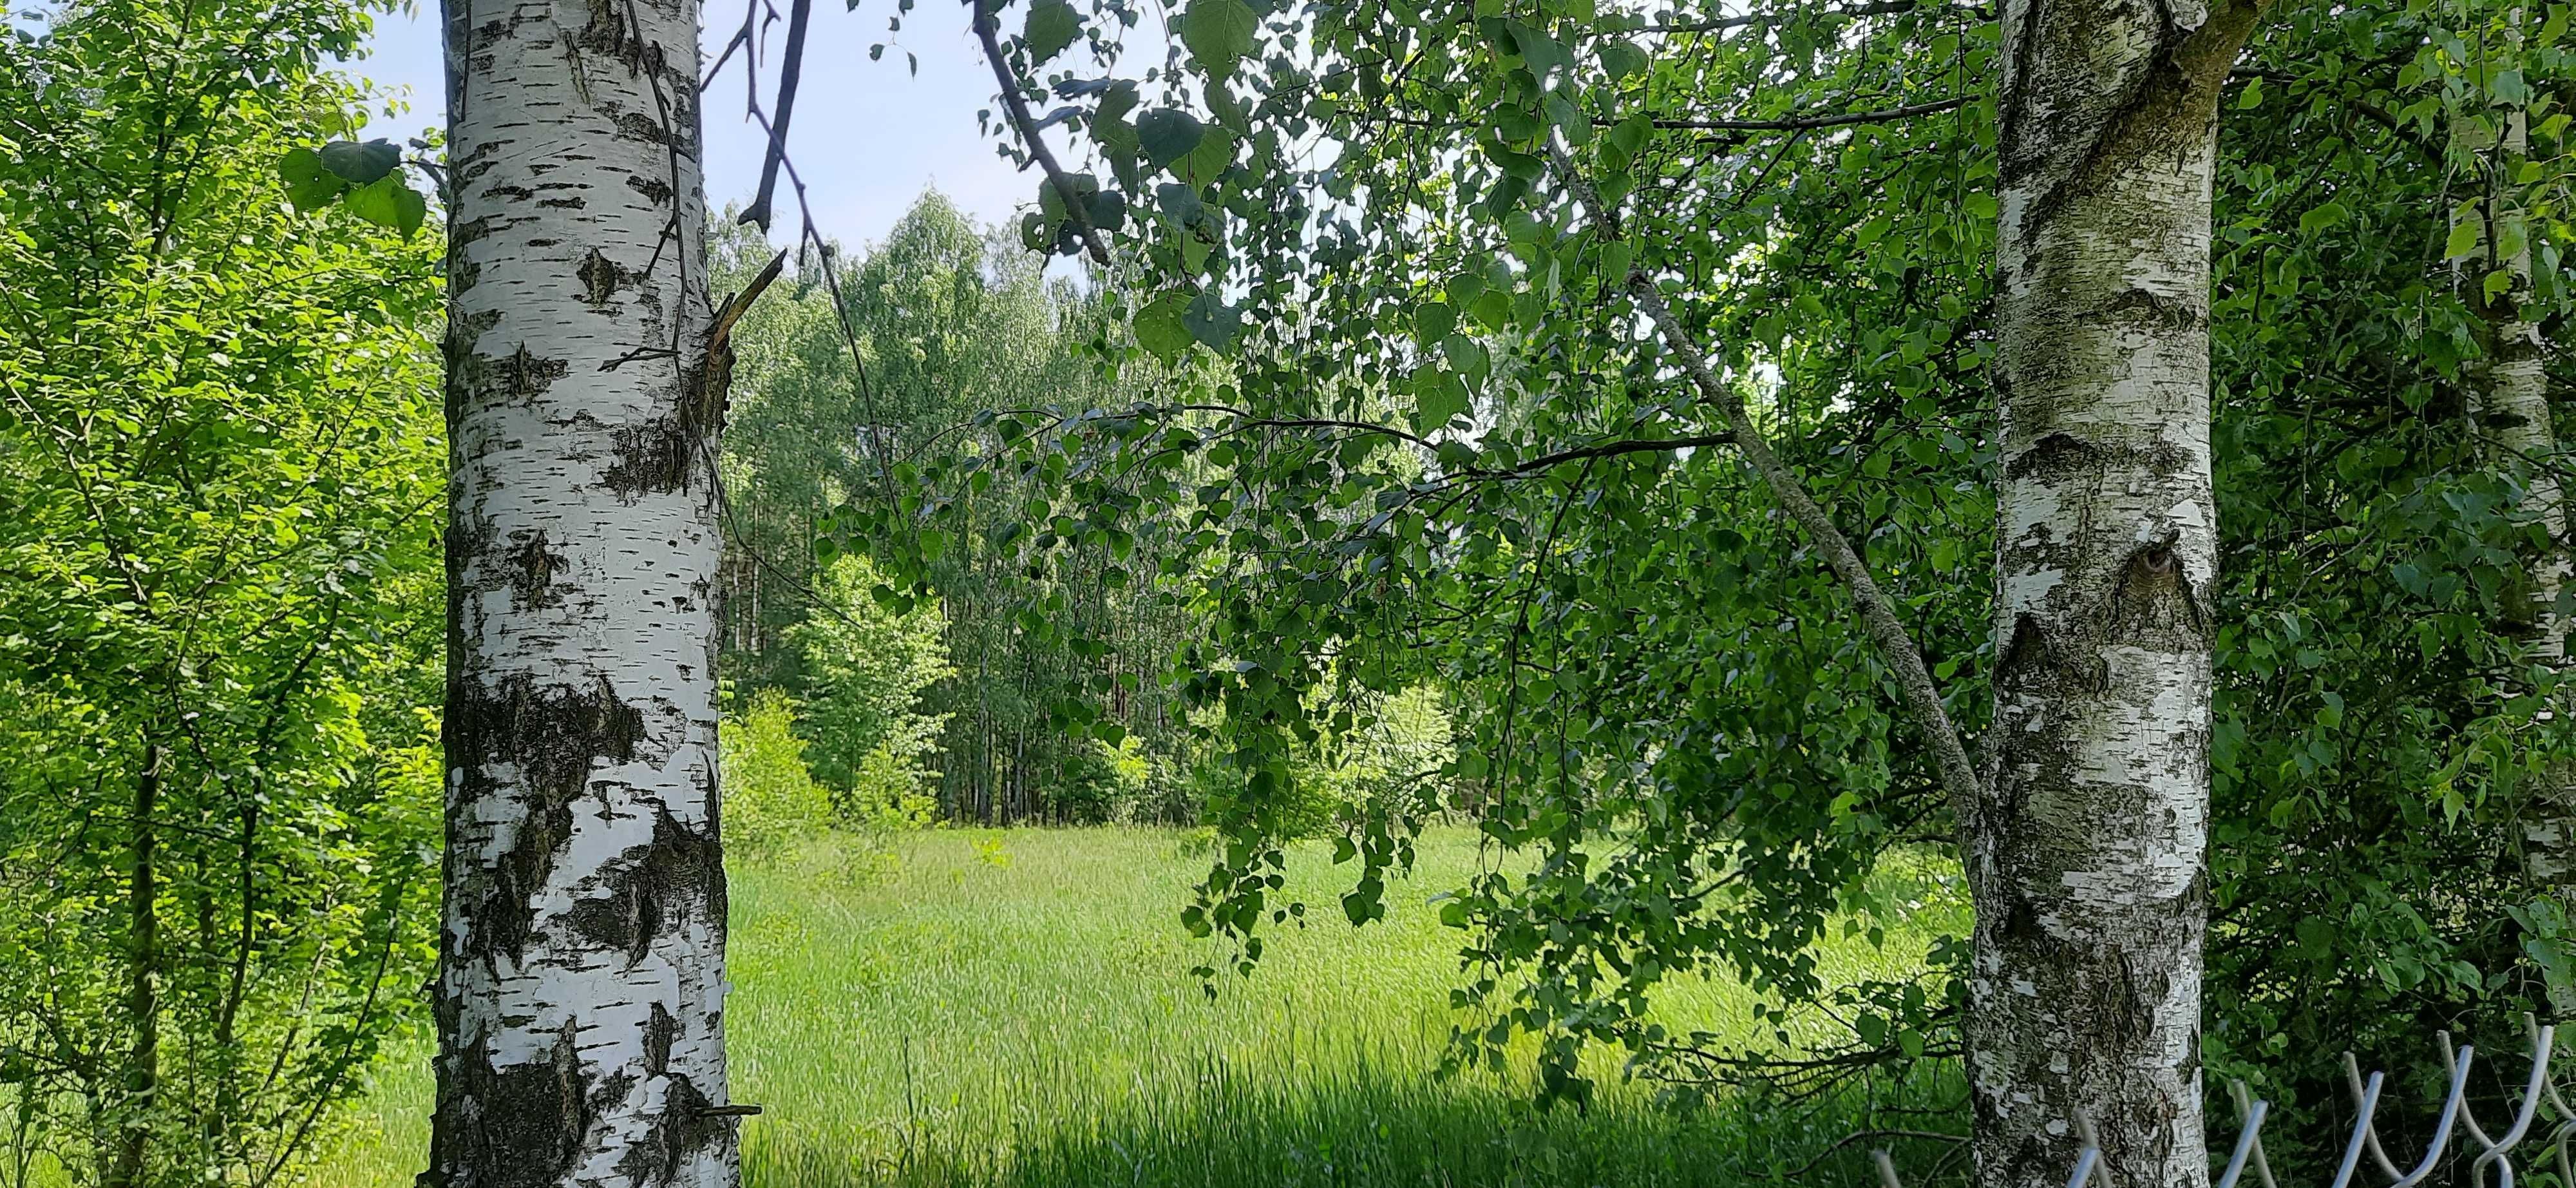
(2495, 1152)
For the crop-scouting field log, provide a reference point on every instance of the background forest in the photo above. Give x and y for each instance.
(1314, 699)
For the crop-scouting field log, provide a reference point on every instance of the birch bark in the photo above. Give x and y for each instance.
(2511, 391)
(2086, 845)
(581, 976)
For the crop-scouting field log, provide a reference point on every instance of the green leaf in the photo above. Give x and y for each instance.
(1052, 26)
(1465, 354)
(1437, 396)
(2251, 97)
(309, 185)
(1432, 321)
(1219, 33)
(361, 164)
(1168, 134)
(2464, 238)
(2329, 215)
(389, 203)
(1619, 59)
(1541, 51)
(1212, 321)
(1162, 326)
(1632, 133)
(1209, 159)
(1366, 902)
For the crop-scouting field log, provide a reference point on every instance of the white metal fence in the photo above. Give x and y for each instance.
(2493, 1163)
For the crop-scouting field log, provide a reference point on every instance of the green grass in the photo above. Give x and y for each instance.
(1029, 1019)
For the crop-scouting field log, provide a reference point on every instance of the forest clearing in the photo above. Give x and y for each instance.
(1014, 1007)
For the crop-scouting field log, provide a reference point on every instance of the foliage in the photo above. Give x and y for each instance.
(219, 590)
(769, 797)
(940, 321)
(1443, 447)
(1440, 453)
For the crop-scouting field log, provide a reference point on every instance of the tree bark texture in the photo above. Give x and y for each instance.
(2512, 413)
(2086, 847)
(581, 979)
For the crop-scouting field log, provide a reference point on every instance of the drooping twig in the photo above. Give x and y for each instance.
(790, 71)
(1018, 108)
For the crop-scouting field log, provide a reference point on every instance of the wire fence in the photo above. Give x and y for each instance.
(2493, 1162)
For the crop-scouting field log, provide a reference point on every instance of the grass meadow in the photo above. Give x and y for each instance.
(1015, 1009)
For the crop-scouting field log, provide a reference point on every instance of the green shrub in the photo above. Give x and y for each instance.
(770, 798)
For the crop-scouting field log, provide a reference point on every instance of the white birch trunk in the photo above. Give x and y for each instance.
(2511, 394)
(2086, 849)
(581, 976)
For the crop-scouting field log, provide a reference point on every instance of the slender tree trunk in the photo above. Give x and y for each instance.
(143, 972)
(2512, 413)
(2086, 847)
(581, 973)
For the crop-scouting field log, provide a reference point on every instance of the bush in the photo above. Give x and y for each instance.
(770, 798)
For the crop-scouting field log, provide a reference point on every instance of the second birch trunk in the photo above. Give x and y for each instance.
(2086, 849)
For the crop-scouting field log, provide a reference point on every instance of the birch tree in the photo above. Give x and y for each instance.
(2086, 849)
(2510, 395)
(581, 986)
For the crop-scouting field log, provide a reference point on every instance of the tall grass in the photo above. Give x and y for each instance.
(1015, 1009)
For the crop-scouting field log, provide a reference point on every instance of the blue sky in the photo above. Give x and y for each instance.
(868, 136)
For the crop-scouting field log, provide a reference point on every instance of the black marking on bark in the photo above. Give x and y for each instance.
(600, 278)
(684, 1129)
(553, 735)
(532, 571)
(522, 1126)
(567, 202)
(664, 454)
(526, 377)
(636, 125)
(513, 193)
(651, 187)
(2156, 311)
(2152, 602)
(659, 1030)
(467, 371)
(650, 889)
(2055, 458)
(462, 271)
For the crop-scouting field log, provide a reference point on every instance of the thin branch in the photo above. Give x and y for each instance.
(1793, 124)
(1878, 612)
(1803, 123)
(1611, 449)
(1018, 108)
(790, 72)
(1721, 24)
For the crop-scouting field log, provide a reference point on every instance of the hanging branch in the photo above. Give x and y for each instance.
(1877, 611)
(1018, 107)
(790, 73)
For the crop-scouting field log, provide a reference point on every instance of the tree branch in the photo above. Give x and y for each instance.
(1803, 123)
(1720, 24)
(1018, 108)
(790, 72)
(1877, 611)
